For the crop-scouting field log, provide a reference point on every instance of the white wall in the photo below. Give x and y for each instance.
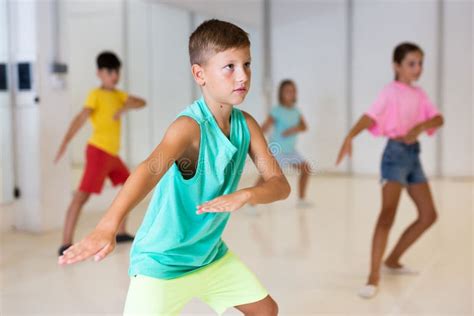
(458, 140)
(159, 71)
(6, 135)
(248, 12)
(55, 179)
(170, 72)
(44, 187)
(138, 65)
(23, 19)
(309, 46)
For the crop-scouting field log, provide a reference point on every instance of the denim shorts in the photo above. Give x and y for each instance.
(401, 163)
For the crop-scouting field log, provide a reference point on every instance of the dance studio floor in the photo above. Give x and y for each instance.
(312, 261)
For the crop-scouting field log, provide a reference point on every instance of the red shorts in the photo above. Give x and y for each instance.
(99, 166)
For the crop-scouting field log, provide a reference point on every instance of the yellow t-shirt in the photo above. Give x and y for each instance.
(106, 130)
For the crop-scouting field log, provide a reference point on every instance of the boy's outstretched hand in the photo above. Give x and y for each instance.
(60, 152)
(99, 244)
(226, 203)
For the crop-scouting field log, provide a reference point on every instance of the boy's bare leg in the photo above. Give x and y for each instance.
(72, 216)
(122, 228)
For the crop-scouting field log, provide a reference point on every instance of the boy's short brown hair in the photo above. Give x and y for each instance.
(215, 36)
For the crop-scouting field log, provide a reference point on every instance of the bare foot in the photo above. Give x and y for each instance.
(394, 267)
(393, 264)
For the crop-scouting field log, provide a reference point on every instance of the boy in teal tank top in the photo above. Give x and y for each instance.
(178, 252)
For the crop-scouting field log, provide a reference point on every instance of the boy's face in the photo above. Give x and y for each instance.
(411, 67)
(225, 77)
(109, 77)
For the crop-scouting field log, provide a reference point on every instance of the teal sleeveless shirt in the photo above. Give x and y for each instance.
(173, 240)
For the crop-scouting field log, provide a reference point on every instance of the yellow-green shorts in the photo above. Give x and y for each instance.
(222, 284)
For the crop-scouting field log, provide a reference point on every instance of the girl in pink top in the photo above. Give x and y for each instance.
(401, 113)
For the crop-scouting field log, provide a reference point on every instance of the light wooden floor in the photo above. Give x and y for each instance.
(312, 261)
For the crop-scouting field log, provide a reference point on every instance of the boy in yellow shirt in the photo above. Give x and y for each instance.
(104, 107)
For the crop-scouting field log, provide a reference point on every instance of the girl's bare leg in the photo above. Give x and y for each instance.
(390, 197)
(421, 195)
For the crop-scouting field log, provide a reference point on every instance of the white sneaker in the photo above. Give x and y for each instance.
(304, 204)
(368, 291)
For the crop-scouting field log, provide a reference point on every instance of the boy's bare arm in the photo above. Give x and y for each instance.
(76, 124)
(275, 186)
(267, 124)
(132, 102)
(144, 178)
